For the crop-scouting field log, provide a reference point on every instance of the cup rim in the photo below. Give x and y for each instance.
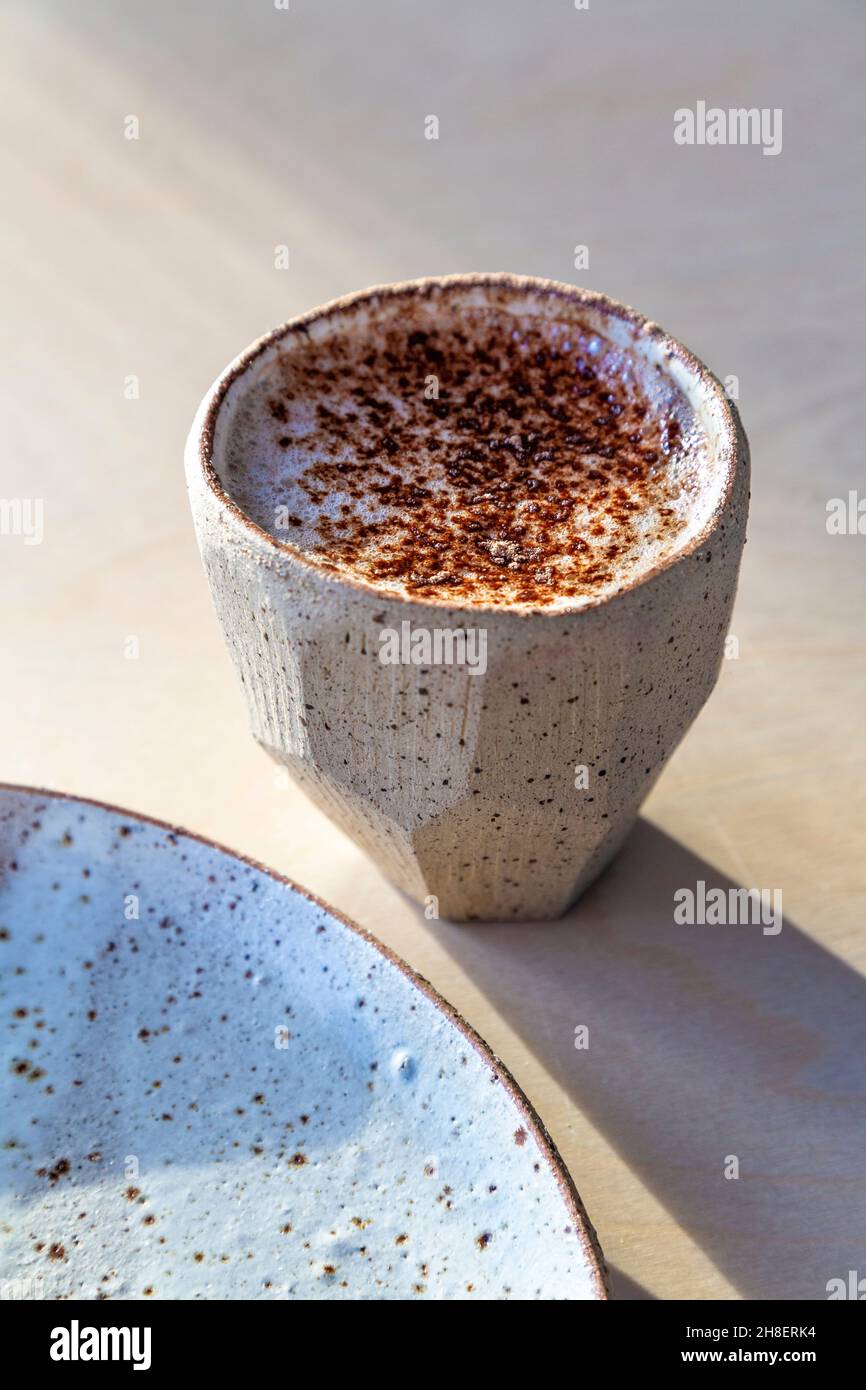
(727, 446)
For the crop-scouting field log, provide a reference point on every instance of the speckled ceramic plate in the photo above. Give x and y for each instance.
(216, 1087)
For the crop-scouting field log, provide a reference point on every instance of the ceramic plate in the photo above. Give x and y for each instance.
(216, 1087)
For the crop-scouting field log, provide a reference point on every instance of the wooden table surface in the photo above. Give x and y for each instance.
(149, 263)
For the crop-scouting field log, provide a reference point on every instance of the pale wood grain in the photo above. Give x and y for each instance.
(156, 258)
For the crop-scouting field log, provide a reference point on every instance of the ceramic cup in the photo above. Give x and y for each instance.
(484, 794)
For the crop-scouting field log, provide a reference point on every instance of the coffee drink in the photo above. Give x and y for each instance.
(474, 544)
(479, 454)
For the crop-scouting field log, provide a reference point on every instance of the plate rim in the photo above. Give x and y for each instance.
(583, 1225)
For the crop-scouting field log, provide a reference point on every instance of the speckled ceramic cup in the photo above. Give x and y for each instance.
(499, 789)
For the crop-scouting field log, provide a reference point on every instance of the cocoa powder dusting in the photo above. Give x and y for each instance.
(476, 456)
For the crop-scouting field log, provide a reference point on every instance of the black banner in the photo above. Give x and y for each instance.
(82, 1338)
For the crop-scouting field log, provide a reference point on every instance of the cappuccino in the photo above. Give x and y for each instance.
(500, 452)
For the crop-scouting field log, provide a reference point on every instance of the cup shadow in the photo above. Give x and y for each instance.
(625, 1289)
(705, 1042)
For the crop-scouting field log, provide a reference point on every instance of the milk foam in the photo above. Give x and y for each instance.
(488, 448)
